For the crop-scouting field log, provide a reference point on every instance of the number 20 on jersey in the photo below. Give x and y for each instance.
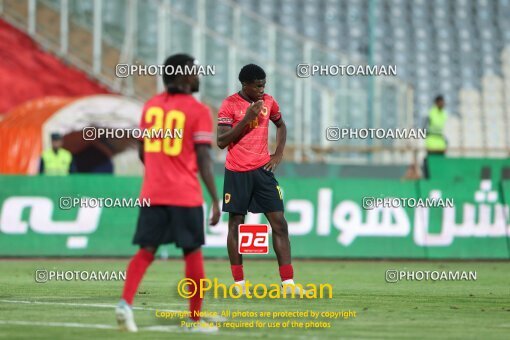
(159, 120)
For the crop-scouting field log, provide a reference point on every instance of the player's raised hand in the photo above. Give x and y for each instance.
(253, 110)
(216, 213)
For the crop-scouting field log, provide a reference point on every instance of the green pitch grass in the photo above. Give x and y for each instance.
(420, 309)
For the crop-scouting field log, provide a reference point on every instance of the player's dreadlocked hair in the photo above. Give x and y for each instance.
(250, 73)
(175, 60)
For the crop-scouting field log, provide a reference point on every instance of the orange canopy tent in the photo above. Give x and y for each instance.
(25, 130)
(21, 134)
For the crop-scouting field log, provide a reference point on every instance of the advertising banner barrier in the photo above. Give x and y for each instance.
(341, 218)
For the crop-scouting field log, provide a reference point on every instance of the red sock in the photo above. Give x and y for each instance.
(135, 271)
(195, 271)
(237, 272)
(286, 272)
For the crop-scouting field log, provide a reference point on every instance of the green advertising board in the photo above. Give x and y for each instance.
(476, 227)
(326, 219)
(449, 168)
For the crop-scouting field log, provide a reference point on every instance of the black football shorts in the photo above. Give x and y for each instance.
(256, 191)
(166, 224)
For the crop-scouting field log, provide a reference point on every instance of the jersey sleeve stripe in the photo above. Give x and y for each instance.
(203, 137)
(275, 117)
(202, 133)
(225, 120)
(203, 141)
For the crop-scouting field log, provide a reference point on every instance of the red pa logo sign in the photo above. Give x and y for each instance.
(253, 239)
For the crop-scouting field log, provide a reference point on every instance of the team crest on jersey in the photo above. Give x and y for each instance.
(227, 197)
(264, 111)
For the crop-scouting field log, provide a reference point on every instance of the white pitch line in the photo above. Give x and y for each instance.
(98, 305)
(162, 328)
(100, 326)
(86, 325)
(169, 329)
(56, 324)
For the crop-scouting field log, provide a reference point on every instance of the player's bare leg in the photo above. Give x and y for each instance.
(281, 246)
(236, 259)
(134, 274)
(281, 242)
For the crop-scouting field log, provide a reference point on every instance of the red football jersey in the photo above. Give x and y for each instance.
(171, 171)
(251, 150)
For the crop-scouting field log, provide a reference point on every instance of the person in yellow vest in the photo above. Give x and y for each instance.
(435, 142)
(56, 161)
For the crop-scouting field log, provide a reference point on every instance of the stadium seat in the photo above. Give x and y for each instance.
(440, 47)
